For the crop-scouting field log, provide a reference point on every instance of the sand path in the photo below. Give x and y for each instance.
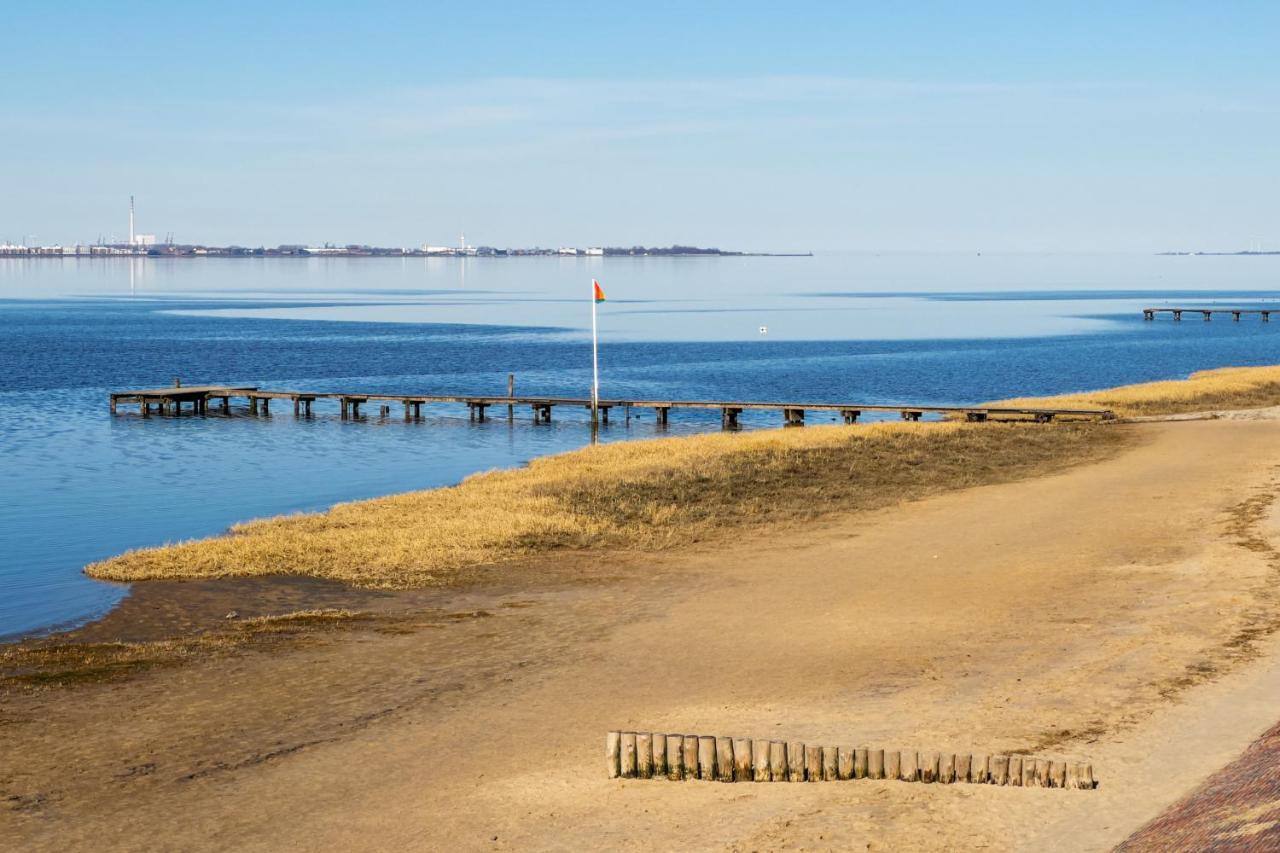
(1087, 615)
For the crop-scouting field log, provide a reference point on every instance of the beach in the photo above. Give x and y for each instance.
(1116, 611)
(715, 428)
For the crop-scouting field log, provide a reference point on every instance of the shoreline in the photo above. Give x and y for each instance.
(1186, 398)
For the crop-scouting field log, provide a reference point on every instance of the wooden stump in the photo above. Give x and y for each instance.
(830, 763)
(742, 760)
(795, 761)
(1057, 774)
(1015, 771)
(1080, 777)
(777, 761)
(1000, 770)
(675, 757)
(613, 754)
(644, 755)
(875, 764)
(659, 755)
(706, 758)
(690, 749)
(978, 771)
(812, 763)
(947, 768)
(844, 762)
(929, 762)
(628, 765)
(860, 763)
(892, 764)
(724, 759)
(760, 760)
(910, 769)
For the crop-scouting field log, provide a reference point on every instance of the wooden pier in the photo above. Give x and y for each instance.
(170, 401)
(1207, 313)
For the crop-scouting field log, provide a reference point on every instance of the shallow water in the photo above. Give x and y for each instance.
(77, 484)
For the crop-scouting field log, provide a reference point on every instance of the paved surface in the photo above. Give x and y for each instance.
(1237, 808)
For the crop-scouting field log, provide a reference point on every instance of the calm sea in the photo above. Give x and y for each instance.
(78, 485)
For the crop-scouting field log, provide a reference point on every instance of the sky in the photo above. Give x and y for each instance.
(940, 127)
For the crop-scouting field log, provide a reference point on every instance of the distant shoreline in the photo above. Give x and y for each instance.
(124, 250)
(1217, 254)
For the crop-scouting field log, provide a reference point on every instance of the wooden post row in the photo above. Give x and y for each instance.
(646, 755)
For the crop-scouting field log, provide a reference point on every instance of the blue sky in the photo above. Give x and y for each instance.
(943, 127)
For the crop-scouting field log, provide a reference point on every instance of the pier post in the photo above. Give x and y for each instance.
(266, 405)
(850, 415)
(297, 407)
(1177, 315)
(729, 417)
(627, 410)
(1148, 314)
(511, 393)
(1235, 315)
(911, 415)
(793, 417)
(226, 404)
(604, 414)
(660, 413)
(253, 404)
(113, 404)
(1208, 315)
(1266, 316)
(975, 417)
(145, 409)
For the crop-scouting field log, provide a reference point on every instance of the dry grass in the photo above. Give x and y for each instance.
(636, 495)
(55, 663)
(1225, 388)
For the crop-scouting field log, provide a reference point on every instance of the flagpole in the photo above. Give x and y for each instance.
(595, 359)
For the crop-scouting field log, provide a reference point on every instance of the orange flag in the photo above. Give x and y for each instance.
(599, 293)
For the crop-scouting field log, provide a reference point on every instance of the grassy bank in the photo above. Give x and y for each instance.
(632, 496)
(1225, 388)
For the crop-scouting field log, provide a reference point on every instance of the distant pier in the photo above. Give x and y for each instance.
(1207, 313)
(197, 400)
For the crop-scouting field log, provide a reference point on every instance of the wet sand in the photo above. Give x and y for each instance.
(1118, 613)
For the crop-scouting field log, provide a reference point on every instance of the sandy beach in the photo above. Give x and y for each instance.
(1118, 613)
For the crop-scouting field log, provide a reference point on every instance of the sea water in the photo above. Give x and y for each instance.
(78, 485)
